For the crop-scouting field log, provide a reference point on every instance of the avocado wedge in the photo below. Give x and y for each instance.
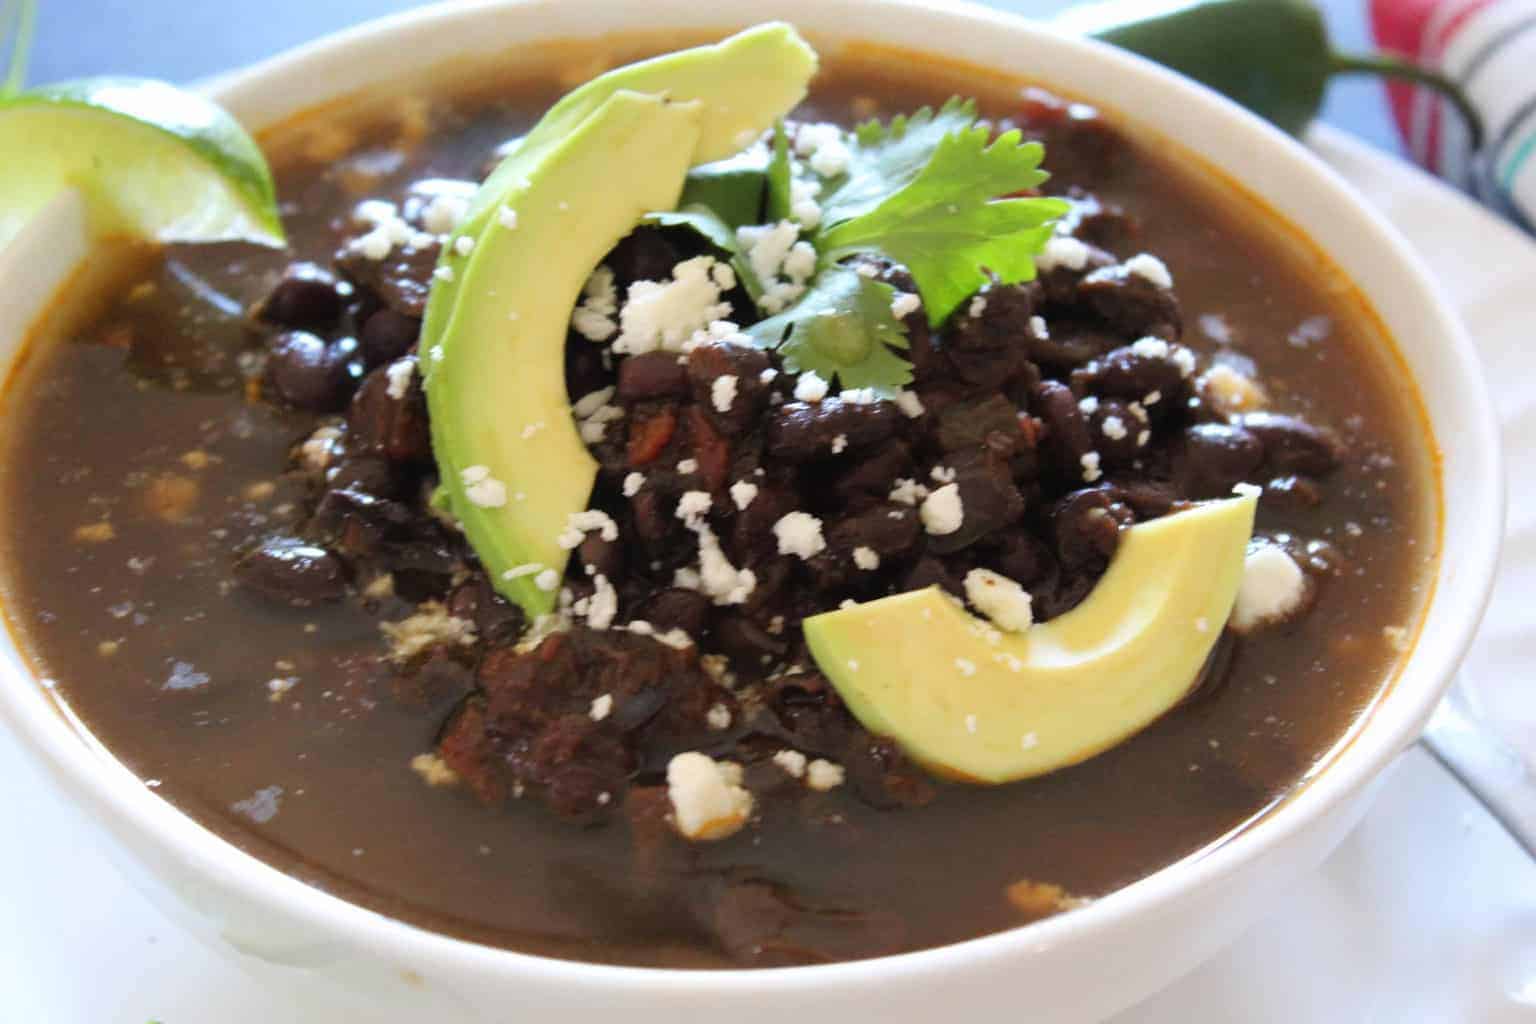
(507, 448)
(972, 703)
(511, 462)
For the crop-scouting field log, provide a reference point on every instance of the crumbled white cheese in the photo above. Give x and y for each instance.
(967, 668)
(823, 775)
(1151, 347)
(1184, 359)
(1229, 391)
(1091, 470)
(1273, 588)
(1000, 599)
(800, 263)
(866, 558)
(803, 206)
(799, 534)
(907, 492)
(1114, 428)
(1088, 405)
(508, 218)
(859, 396)
(519, 571)
(742, 494)
(693, 506)
(708, 801)
(1149, 268)
(768, 376)
(547, 580)
(1038, 328)
(443, 274)
(632, 484)
(824, 148)
(463, 245)
(904, 303)
(482, 489)
(398, 376)
(603, 605)
(688, 467)
(1062, 251)
(809, 387)
(780, 261)
(431, 626)
(792, 761)
(578, 524)
(444, 212)
(434, 771)
(592, 401)
(977, 307)
(942, 474)
(665, 315)
(718, 717)
(601, 708)
(839, 444)
(722, 393)
(317, 450)
(910, 405)
(942, 511)
(593, 319)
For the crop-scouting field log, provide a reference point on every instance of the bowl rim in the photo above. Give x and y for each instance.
(1391, 725)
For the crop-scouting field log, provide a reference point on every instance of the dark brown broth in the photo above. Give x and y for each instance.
(88, 442)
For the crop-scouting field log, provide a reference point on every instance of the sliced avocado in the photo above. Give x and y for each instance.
(507, 448)
(970, 702)
(746, 83)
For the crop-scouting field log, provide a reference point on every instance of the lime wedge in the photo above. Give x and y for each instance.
(153, 161)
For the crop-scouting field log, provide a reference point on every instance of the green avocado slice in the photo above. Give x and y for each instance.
(507, 449)
(972, 703)
(745, 82)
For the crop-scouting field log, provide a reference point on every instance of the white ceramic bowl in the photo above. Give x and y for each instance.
(1079, 966)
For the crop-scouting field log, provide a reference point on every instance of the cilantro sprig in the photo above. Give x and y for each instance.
(936, 192)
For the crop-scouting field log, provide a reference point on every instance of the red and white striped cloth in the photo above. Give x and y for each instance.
(1489, 48)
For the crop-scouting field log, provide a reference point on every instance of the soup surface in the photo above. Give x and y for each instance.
(148, 456)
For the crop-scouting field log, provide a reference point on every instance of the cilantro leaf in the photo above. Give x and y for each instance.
(886, 158)
(779, 177)
(732, 188)
(841, 328)
(947, 226)
(705, 222)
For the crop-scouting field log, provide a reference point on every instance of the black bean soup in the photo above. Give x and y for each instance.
(219, 545)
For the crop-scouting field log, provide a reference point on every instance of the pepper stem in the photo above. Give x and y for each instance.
(1388, 66)
(16, 22)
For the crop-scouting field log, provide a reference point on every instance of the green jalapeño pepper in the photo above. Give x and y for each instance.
(1271, 56)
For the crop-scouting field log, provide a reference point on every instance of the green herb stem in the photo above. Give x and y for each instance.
(1388, 66)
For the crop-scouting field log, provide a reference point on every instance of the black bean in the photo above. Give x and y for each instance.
(709, 363)
(871, 478)
(1212, 457)
(799, 431)
(882, 776)
(1292, 445)
(652, 375)
(583, 791)
(307, 296)
(378, 423)
(1135, 372)
(1147, 498)
(988, 498)
(645, 254)
(1086, 526)
(1060, 283)
(991, 422)
(497, 621)
(290, 570)
(676, 608)
(1068, 344)
(305, 372)
(604, 557)
(928, 572)
(401, 281)
(1021, 557)
(388, 335)
(1131, 305)
(743, 640)
(1002, 319)
(888, 530)
(1116, 431)
(1067, 438)
(365, 474)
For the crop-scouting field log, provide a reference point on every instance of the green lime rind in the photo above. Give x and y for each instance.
(152, 160)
